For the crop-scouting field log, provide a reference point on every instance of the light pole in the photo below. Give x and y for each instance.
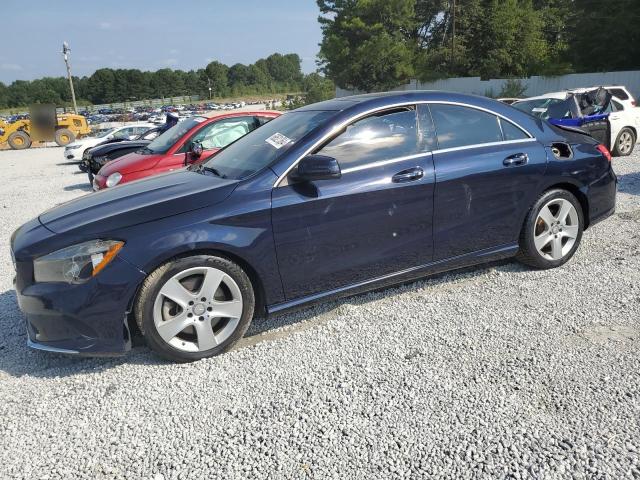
(65, 53)
(209, 85)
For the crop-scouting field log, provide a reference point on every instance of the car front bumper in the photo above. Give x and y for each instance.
(86, 319)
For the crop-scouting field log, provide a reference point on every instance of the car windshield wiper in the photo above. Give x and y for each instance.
(202, 168)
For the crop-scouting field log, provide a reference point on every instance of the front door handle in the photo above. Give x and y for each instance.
(409, 175)
(515, 160)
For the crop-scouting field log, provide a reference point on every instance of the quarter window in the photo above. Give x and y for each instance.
(458, 126)
(511, 132)
(382, 136)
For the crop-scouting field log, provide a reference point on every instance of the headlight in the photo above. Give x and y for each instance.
(76, 264)
(72, 147)
(113, 179)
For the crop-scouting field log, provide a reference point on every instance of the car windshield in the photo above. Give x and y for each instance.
(104, 133)
(537, 108)
(263, 146)
(164, 142)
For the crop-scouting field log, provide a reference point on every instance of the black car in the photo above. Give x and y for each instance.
(95, 158)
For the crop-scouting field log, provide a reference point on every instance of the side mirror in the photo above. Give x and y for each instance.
(196, 149)
(316, 167)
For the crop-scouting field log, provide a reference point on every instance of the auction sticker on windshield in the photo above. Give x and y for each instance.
(277, 140)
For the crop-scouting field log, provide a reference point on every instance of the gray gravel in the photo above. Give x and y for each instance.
(496, 372)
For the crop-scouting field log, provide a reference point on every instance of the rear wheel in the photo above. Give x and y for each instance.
(624, 143)
(552, 230)
(19, 140)
(64, 136)
(195, 307)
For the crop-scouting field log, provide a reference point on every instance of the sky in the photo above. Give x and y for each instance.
(152, 34)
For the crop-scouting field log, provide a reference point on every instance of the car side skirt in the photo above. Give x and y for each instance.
(414, 273)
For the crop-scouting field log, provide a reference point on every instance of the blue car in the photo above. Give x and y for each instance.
(329, 200)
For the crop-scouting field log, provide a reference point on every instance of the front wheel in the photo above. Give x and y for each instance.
(19, 140)
(195, 307)
(64, 137)
(552, 230)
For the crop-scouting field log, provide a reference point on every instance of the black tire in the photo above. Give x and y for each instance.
(64, 137)
(19, 140)
(144, 306)
(528, 253)
(622, 150)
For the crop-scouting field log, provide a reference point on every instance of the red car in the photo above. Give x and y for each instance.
(174, 148)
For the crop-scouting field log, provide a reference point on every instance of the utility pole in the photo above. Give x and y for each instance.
(65, 53)
(453, 30)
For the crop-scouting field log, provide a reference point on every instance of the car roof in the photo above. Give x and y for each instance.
(558, 95)
(269, 113)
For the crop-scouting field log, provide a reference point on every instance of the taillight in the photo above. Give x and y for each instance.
(604, 151)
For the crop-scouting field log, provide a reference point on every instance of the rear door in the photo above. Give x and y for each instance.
(487, 172)
(374, 220)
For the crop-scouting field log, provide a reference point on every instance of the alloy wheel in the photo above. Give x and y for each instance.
(556, 229)
(197, 309)
(625, 143)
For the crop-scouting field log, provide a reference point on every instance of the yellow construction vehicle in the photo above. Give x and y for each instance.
(20, 134)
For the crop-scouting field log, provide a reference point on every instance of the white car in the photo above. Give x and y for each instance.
(624, 117)
(75, 150)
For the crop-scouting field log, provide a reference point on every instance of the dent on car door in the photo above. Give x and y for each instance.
(374, 220)
(487, 175)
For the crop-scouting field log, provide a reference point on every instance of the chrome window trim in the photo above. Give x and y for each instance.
(382, 163)
(366, 113)
(481, 145)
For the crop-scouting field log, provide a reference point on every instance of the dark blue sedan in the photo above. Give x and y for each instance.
(329, 200)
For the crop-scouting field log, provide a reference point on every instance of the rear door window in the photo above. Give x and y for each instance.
(459, 126)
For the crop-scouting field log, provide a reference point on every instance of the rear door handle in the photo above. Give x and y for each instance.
(409, 175)
(515, 160)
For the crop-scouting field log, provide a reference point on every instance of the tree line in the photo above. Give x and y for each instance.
(275, 74)
(380, 44)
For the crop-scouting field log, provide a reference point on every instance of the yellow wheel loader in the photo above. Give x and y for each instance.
(21, 134)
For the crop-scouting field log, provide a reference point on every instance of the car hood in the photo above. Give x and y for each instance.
(132, 162)
(104, 148)
(87, 141)
(138, 202)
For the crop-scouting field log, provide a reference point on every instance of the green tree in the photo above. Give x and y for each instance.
(604, 36)
(318, 88)
(218, 74)
(368, 44)
(4, 95)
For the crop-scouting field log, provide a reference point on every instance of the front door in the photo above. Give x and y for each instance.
(374, 220)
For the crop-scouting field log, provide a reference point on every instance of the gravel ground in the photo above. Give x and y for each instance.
(495, 372)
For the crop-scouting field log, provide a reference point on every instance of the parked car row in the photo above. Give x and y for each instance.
(328, 200)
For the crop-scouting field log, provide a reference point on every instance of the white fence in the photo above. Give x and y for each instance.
(536, 85)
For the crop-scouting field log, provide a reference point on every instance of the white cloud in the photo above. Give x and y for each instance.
(104, 26)
(14, 67)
